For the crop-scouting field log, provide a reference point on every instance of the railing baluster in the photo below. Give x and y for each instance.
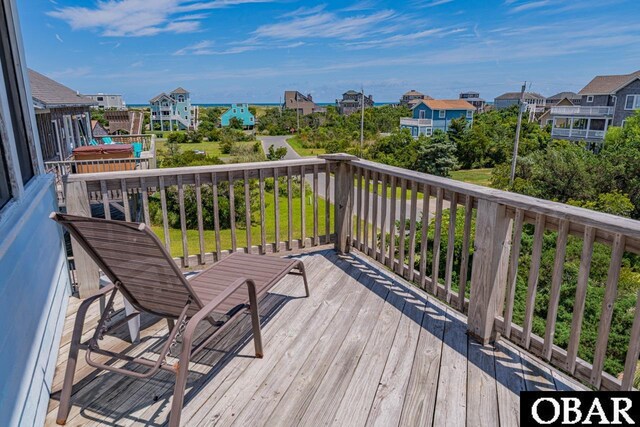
(303, 204)
(633, 352)
(448, 271)
(534, 275)
(367, 195)
(435, 269)
(403, 226)
(383, 221)
(316, 237)
(263, 228)
(165, 219)
(412, 229)
(606, 313)
(200, 219)
(276, 208)
(289, 211)
(358, 208)
(216, 214)
(581, 295)
(374, 217)
(464, 257)
(145, 201)
(247, 210)
(183, 224)
(125, 200)
(105, 199)
(512, 275)
(327, 203)
(556, 283)
(426, 196)
(392, 225)
(232, 213)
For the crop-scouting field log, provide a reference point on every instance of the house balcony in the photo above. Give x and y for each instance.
(586, 134)
(389, 334)
(416, 122)
(582, 111)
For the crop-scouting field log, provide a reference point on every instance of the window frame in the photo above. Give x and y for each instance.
(469, 114)
(442, 114)
(634, 105)
(590, 99)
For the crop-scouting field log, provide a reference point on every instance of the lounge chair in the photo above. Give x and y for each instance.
(140, 268)
(107, 140)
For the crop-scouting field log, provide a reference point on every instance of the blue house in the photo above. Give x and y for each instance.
(432, 114)
(172, 111)
(240, 112)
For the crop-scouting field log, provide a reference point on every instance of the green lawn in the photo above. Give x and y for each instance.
(296, 144)
(211, 148)
(473, 176)
(193, 241)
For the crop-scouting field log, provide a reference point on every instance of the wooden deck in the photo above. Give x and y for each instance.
(363, 349)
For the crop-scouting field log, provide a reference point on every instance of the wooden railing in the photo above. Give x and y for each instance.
(390, 205)
(148, 196)
(460, 242)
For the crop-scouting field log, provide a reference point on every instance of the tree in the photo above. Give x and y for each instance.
(276, 154)
(436, 155)
(398, 149)
(177, 138)
(236, 123)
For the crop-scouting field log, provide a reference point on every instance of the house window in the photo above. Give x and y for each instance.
(100, 98)
(234, 111)
(632, 102)
(442, 114)
(469, 114)
(5, 188)
(422, 114)
(429, 131)
(590, 98)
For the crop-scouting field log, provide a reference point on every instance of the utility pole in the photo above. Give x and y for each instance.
(361, 121)
(517, 141)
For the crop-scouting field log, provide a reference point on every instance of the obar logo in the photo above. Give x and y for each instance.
(579, 408)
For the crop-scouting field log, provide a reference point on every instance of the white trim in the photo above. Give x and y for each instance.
(442, 114)
(635, 104)
(589, 98)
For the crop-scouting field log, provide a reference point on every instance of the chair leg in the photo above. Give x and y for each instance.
(65, 394)
(255, 323)
(304, 277)
(181, 383)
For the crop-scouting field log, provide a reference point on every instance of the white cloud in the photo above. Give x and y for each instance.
(206, 47)
(59, 38)
(131, 18)
(328, 25)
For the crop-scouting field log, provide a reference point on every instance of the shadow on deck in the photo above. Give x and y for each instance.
(364, 348)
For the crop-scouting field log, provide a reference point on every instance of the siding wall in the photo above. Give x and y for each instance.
(438, 123)
(34, 290)
(620, 113)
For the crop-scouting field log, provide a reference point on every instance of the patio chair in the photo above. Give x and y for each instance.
(140, 268)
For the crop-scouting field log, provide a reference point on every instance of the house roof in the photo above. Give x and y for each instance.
(562, 95)
(413, 93)
(159, 97)
(50, 94)
(516, 95)
(179, 90)
(447, 104)
(351, 92)
(606, 85)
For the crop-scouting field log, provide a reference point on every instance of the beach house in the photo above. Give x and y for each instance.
(240, 112)
(172, 111)
(432, 114)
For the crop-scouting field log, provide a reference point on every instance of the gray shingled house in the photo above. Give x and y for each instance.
(605, 101)
(63, 117)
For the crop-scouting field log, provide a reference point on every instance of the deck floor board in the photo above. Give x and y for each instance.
(365, 348)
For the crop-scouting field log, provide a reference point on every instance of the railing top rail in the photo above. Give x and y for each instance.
(604, 221)
(190, 170)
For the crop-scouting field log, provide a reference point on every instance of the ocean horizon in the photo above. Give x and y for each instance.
(257, 104)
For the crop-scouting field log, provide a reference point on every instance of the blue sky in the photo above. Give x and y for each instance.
(252, 50)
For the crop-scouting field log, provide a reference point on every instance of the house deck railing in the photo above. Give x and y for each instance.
(379, 210)
(582, 111)
(577, 133)
(415, 122)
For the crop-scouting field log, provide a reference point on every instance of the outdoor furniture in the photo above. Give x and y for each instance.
(140, 268)
(102, 154)
(107, 140)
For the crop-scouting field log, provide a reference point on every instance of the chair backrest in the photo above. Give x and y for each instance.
(137, 148)
(107, 140)
(131, 254)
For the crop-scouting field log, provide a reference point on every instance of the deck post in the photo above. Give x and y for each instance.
(343, 199)
(87, 272)
(489, 269)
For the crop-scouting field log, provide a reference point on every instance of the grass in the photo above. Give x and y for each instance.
(211, 148)
(193, 241)
(296, 144)
(473, 176)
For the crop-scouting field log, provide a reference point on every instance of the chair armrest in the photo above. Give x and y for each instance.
(84, 306)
